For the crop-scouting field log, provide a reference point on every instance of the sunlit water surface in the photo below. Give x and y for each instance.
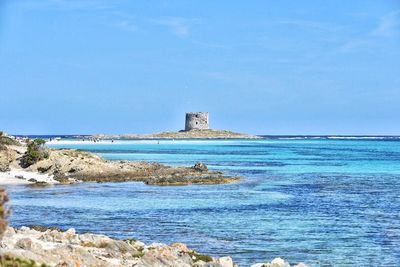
(323, 202)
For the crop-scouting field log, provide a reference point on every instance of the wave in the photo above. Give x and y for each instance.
(327, 137)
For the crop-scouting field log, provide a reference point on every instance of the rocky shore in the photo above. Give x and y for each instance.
(54, 247)
(193, 134)
(72, 166)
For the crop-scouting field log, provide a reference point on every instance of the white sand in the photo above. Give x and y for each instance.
(79, 142)
(140, 141)
(11, 177)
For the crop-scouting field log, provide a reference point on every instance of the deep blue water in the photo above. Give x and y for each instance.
(325, 202)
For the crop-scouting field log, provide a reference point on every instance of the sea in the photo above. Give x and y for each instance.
(321, 200)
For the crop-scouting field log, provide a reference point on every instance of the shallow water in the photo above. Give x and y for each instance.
(324, 202)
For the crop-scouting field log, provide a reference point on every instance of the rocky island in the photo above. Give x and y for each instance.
(193, 134)
(196, 127)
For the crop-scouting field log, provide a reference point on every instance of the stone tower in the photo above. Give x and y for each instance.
(196, 121)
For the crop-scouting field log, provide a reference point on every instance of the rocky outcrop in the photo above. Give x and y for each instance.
(54, 247)
(69, 166)
(193, 134)
(58, 248)
(7, 156)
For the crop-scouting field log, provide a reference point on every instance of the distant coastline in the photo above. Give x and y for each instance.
(79, 137)
(193, 134)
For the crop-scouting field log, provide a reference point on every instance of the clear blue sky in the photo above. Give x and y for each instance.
(263, 67)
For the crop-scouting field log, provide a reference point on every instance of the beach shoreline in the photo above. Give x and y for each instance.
(22, 177)
(53, 142)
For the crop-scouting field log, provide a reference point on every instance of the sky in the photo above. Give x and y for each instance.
(262, 67)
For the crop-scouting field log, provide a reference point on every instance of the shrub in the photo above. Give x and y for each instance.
(34, 153)
(6, 140)
(39, 142)
(10, 261)
(3, 211)
(199, 257)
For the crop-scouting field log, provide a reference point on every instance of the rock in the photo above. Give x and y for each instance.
(97, 241)
(163, 255)
(226, 261)
(24, 243)
(9, 231)
(27, 244)
(135, 243)
(181, 247)
(206, 264)
(24, 229)
(71, 236)
(118, 248)
(42, 168)
(70, 232)
(7, 156)
(279, 262)
(41, 228)
(53, 236)
(199, 166)
(4, 167)
(39, 184)
(4, 162)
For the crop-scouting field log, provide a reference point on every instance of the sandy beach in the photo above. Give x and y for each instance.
(130, 141)
(22, 177)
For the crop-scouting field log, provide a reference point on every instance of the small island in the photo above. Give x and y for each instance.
(196, 127)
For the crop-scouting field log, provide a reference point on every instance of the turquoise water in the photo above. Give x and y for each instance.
(323, 202)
